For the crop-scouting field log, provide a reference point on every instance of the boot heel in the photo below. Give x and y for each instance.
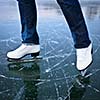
(35, 54)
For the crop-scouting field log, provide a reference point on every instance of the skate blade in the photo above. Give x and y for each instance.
(27, 60)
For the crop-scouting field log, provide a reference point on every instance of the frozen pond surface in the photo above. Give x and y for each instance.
(55, 77)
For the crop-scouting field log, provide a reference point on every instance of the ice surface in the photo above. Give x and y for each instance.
(54, 77)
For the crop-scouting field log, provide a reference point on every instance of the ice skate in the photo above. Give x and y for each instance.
(24, 50)
(84, 57)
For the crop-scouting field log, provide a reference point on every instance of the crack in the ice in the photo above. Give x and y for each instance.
(1, 92)
(57, 64)
(12, 39)
(95, 89)
(10, 78)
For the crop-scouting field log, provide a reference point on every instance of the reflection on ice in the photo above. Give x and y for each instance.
(92, 12)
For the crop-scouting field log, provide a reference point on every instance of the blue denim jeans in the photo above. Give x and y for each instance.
(73, 15)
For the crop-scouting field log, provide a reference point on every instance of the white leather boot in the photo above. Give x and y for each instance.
(84, 57)
(24, 50)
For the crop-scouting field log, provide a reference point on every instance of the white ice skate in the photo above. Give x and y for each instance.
(24, 50)
(84, 57)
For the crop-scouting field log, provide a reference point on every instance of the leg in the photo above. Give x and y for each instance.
(30, 43)
(73, 14)
(28, 15)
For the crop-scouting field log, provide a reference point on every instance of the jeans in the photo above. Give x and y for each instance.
(73, 15)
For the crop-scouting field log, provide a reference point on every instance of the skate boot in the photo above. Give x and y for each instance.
(24, 50)
(84, 57)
